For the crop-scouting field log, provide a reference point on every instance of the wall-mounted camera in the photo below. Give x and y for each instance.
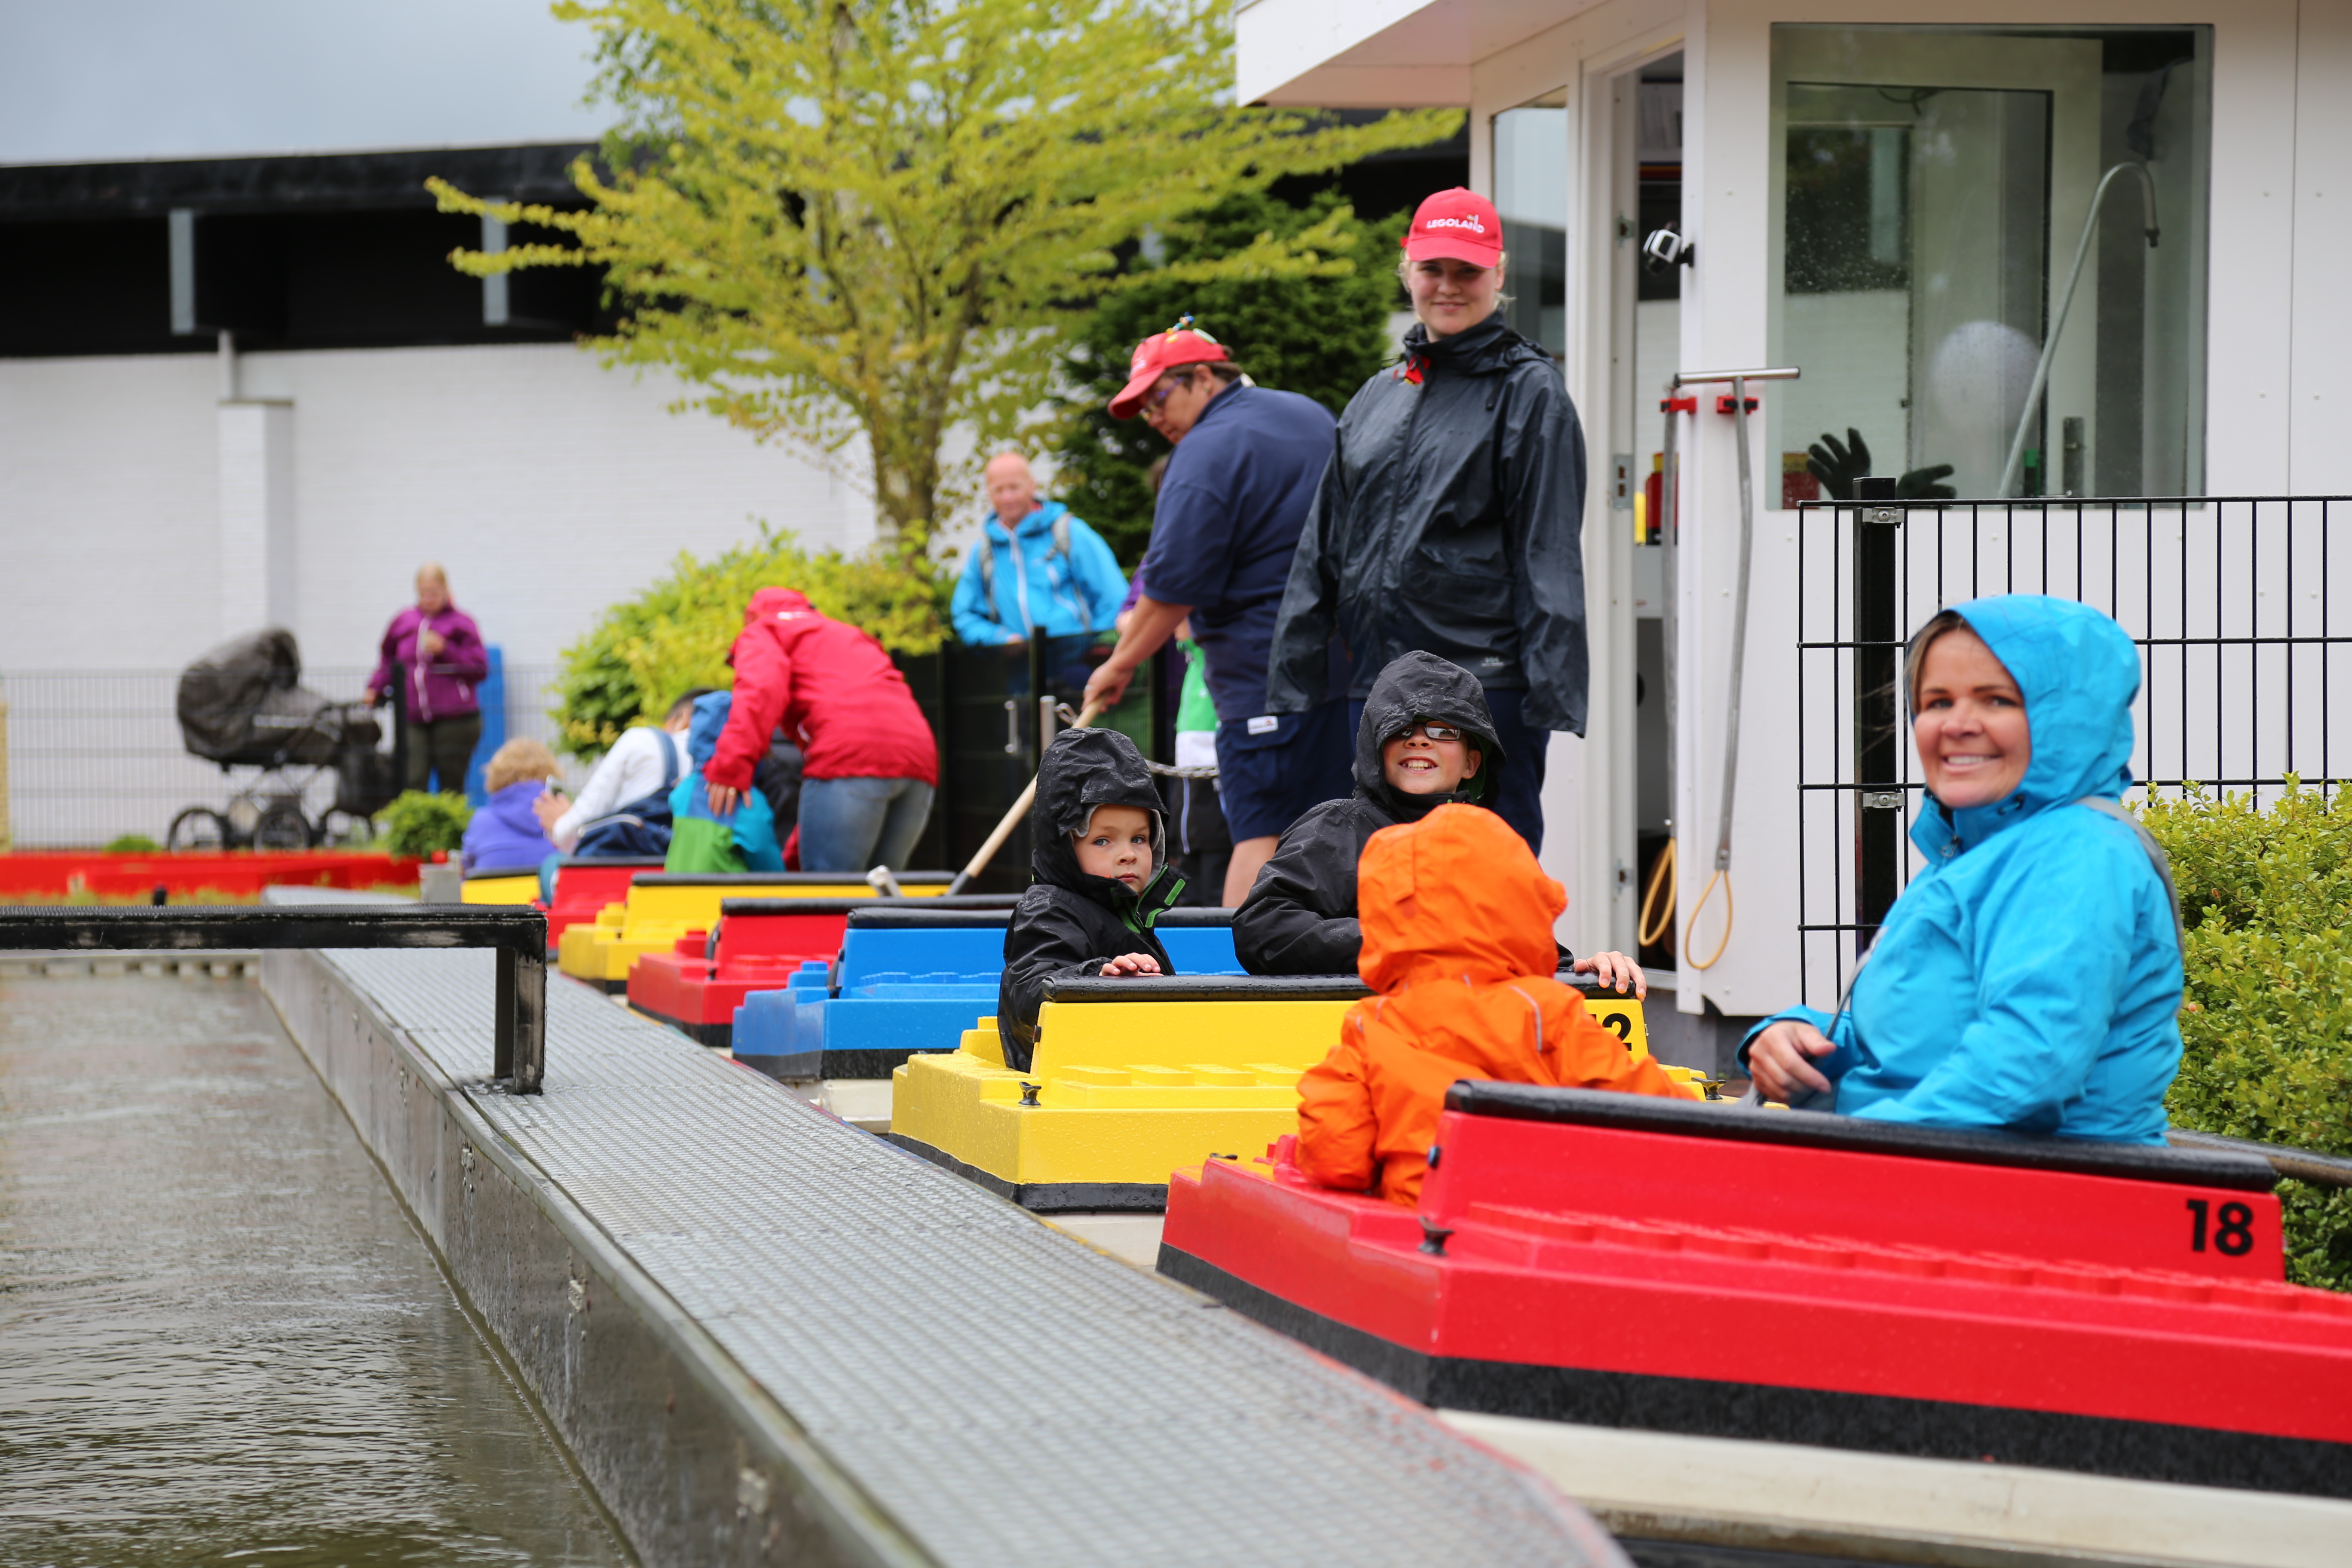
(1666, 247)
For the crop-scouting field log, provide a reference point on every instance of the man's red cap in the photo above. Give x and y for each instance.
(1181, 344)
(1458, 223)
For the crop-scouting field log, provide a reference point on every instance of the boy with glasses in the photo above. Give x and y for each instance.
(1427, 739)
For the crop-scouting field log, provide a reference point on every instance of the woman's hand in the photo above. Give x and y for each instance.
(1127, 964)
(723, 799)
(1781, 1060)
(430, 643)
(550, 808)
(1616, 971)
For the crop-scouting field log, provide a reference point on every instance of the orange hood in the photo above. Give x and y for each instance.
(1456, 896)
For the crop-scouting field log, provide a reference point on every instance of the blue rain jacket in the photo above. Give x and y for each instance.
(2029, 979)
(1067, 594)
(752, 825)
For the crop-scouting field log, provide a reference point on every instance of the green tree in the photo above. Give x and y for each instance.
(867, 221)
(632, 663)
(1319, 334)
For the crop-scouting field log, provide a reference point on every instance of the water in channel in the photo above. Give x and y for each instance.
(221, 1341)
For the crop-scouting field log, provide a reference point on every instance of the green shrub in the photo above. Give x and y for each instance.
(2267, 1020)
(416, 824)
(632, 665)
(133, 844)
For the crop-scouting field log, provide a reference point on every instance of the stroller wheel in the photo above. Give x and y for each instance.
(281, 828)
(198, 828)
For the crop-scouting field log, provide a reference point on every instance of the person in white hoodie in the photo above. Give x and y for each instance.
(647, 760)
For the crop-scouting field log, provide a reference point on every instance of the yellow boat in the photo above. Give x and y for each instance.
(1134, 1078)
(662, 908)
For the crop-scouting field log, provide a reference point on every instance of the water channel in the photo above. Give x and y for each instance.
(221, 1339)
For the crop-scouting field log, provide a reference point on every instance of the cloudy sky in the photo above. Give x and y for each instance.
(101, 79)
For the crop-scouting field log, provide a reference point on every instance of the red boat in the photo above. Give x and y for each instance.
(585, 884)
(761, 944)
(1622, 1261)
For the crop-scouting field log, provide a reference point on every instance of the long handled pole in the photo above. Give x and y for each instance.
(979, 862)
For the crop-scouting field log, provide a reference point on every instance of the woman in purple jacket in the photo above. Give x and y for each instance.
(434, 651)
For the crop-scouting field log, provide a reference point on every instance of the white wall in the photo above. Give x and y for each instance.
(550, 487)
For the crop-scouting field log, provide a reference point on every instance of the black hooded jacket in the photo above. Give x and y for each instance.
(1451, 520)
(1300, 915)
(1068, 922)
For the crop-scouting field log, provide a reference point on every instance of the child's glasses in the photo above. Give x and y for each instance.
(1434, 732)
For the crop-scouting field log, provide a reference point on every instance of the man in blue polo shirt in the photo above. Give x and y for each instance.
(1239, 486)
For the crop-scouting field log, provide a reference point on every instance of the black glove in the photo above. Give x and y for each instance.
(1920, 484)
(1837, 466)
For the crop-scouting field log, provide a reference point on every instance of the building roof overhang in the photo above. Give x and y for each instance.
(1380, 54)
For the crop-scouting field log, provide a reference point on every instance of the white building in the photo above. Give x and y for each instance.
(240, 384)
(1890, 198)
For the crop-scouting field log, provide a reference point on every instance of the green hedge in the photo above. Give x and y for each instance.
(2267, 1021)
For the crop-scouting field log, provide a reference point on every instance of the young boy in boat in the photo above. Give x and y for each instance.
(2029, 978)
(1426, 738)
(1099, 881)
(1456, 919)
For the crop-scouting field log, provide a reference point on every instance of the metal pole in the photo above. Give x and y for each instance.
(1738, 625)
(529, 986)
(1878, 797)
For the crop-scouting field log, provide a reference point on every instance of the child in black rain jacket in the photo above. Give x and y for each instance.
(1300, 915)
(1100, 880)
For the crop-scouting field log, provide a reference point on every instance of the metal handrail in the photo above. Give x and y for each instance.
(517, 932)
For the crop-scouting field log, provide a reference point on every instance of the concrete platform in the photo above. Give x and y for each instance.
(768, 1336)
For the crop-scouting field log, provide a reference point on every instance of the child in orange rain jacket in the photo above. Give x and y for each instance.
(1457, 923)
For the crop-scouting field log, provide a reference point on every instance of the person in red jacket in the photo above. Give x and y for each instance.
(872, 762)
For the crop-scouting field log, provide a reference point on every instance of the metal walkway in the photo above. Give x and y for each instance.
(1005, 1395)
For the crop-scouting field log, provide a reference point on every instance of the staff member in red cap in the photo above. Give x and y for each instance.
(1235, 496)
(1450, 519)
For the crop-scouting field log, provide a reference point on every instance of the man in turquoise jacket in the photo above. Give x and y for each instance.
(1035, 565)
(2029, 978)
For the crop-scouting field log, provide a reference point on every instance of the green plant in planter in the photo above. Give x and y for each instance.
(416, 824)
(133, 844)
(2267, 1022)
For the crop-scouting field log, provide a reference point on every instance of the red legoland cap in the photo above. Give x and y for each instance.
(1458, 223)
(1181, 344)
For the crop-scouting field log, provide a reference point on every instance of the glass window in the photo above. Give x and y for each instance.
(1963, 265)
(1531, 194)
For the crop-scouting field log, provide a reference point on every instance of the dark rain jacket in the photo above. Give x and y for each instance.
(1300, 915)
(1449, 520)
(1069, 923)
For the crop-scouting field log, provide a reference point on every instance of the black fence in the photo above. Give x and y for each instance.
(2228, 599)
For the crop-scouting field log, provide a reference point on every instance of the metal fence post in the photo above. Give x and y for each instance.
(528, 987)
(1878, 790)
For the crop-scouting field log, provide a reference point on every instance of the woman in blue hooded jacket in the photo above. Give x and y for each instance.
(2029, 978)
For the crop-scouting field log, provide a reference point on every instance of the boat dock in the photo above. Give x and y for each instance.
(768, 1336)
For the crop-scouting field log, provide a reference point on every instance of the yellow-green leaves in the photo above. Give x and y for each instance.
(862, 227)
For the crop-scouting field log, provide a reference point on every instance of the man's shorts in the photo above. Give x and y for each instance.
(1271, 769)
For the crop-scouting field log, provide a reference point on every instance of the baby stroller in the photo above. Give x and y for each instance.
(243, 705)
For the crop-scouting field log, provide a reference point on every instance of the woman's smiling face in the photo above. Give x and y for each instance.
(1970, 728)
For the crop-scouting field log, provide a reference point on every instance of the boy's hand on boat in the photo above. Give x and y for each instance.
(1617, 972)
(1127, 964)
(1781, 1060)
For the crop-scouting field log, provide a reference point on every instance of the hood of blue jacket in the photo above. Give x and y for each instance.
(711, 710)
(2078, 672)
(1037, 522)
